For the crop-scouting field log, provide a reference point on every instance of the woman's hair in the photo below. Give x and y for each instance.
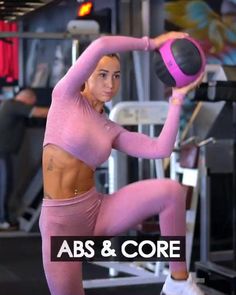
(112, 55)
(116, 55)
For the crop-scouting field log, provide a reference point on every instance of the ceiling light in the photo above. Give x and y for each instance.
(10, 18)
(18, 13)
(33, 4)
(25, 8)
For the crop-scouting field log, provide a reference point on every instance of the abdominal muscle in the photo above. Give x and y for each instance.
(64, 176)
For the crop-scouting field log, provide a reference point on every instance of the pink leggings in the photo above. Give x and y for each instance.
(96, 214)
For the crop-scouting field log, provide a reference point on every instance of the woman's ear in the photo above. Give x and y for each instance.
(82, 87)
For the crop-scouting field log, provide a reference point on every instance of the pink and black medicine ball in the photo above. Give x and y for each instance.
(179, 62)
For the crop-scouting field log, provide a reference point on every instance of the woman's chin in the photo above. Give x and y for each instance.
(107, 98)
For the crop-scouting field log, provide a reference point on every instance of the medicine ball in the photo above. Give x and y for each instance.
(179, 62)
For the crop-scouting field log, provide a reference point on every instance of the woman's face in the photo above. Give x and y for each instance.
(104, 82)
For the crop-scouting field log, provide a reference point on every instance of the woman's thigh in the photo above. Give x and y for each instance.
(138, 201)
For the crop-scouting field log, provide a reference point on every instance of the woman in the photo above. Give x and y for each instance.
(78, 138)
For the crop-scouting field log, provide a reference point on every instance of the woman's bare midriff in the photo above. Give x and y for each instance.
(64, 176)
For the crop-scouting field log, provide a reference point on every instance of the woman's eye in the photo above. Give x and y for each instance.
(103, 75)
(117, 76)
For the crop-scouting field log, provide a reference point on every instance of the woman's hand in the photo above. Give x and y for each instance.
(185, 89)
(178, 94)
(161, 39)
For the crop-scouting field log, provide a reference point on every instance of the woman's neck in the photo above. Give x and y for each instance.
(96, 104)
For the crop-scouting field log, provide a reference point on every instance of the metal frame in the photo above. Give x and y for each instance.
(128, 114)
(27, 223)
(206, 255)
(190, 177)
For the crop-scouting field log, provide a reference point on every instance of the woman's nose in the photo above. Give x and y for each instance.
(109, 82)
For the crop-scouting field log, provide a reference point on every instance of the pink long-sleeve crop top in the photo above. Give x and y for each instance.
(74, 126)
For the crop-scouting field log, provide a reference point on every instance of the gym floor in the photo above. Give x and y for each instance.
(22, 272)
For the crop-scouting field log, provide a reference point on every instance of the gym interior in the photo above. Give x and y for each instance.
(39, 41)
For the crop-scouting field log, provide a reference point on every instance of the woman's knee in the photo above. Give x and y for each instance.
(177, 192)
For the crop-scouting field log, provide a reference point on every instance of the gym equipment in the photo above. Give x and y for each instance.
(89, 27)
(217, 96)
(179, 62)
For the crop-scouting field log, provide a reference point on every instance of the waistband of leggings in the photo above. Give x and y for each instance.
(68, 201)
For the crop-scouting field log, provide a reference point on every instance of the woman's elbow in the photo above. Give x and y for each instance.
(101, 42)
(166, 153)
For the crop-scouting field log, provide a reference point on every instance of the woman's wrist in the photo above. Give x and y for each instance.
(147, 43)
(177, 98)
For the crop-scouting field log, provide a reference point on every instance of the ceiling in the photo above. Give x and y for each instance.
(13, 10)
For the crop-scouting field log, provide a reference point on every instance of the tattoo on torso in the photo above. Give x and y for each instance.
(47, 196)
(50, 164)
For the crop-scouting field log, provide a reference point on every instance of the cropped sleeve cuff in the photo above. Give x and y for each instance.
(149, 43)
(177, 99)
